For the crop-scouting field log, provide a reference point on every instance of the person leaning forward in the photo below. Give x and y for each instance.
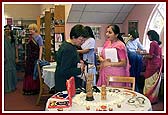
(68, 59)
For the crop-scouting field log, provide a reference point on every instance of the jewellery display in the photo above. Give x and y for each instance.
(114, 90)
(137, 101)
(110, 99)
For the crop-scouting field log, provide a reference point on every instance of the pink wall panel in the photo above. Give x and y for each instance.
(140, 13)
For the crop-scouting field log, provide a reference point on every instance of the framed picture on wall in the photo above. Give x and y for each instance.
(132, 25)
(96, 31)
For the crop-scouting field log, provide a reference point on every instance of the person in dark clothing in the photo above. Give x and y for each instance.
(68, 60)
(80, 54)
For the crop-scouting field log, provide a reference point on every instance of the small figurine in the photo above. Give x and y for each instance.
(89, 92)
(110, 109)
(119, 105)
(60, 109)
(103, 92)
(87, 107)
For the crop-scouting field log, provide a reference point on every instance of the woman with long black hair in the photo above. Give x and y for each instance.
(153, 66)
(10, 57)
(109, 67)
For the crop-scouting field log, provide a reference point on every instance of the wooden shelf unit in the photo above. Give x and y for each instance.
(48, 28)
(60, 15)
(47, 35)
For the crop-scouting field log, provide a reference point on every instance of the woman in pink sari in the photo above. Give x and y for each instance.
(107, 66)
(153, 67)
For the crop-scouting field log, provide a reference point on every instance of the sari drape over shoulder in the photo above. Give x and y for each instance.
(10, 78)
(153, 73)
(114, 71)
(32, 56)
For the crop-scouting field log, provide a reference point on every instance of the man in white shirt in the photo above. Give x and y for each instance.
(134, 45)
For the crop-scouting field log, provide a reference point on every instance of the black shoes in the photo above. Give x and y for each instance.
(81, 89)
(95, 89)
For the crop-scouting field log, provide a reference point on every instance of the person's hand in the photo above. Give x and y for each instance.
(141, 52)
(108, 60)
(144, 52)
(138, 51)
(81, 61)
(82, 67)
(107, 63)
(100, 59)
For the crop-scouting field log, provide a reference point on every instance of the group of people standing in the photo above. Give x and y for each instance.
(33, 53)
(134, 48)
(70, 64)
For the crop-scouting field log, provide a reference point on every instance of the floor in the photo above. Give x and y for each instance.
(24, 103)
(15, 101)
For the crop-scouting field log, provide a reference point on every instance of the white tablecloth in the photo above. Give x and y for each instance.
(128, 101)
(48, 74)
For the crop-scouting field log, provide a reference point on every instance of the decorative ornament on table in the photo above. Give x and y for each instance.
(119, 105)
(89, 91)
(103, 92)
(87, 107)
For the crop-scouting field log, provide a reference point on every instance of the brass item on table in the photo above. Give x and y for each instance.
(87, 107)
(119, 105)
(89, 91)
(103, 92)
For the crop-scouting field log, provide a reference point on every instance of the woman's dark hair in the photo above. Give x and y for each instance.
(78, 31)
(134, 34)
(11, 33)
(10, 27)
(154, 36)
(90, 31)
(116, 30)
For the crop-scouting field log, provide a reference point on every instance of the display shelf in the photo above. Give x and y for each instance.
(50, 24)
(59, 25)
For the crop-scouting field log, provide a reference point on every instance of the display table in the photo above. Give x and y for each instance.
(48, 74)
(118, 99)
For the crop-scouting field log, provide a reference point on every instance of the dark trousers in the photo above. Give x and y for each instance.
(136, 63)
